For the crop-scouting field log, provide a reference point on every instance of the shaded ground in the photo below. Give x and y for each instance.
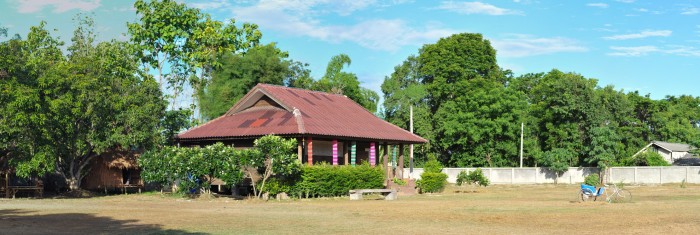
(526, 209)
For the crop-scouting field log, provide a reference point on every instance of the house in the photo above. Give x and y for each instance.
(328, 127)
(673, 153)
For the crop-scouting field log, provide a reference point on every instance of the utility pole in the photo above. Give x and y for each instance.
(410, 153)
(522, 127)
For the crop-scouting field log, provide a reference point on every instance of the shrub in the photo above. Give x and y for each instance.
(592, 180)
(432, 179)
(431, 182)
(399, 182)
(432, 166)
(330, 181)
(649, 159)
(462, 178)
(476, 176)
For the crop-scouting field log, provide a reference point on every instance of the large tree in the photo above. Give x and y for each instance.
(183, 44)
(241, 72)
(67, 110)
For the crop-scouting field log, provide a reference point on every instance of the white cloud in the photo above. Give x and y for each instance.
(643, 34)
(690, 11)
(626, 1)
(598, 4)
(527, 45)
(470, 8)
(59, 6)
(646, 50)
(297, 19)
(633, 51)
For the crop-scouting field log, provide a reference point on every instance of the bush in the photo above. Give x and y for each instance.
(476, 176)
(592, 180)
(432, 166)
(431, 182)
(330, 181)
(432, 179)
(649, 159)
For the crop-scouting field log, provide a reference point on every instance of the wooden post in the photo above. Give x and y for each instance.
(345, 152)
(353, 153)
(387, 169)
(335, 152)
(300, 148)
(310, 153)
(400, 164)
(372, 155)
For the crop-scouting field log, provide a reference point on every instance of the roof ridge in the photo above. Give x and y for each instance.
(299, 89)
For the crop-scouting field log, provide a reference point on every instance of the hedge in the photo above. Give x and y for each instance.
(331, 181)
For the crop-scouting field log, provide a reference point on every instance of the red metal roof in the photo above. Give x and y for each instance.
(317, 114)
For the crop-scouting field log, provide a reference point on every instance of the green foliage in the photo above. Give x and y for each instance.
(648, 158)
(399, 182)
(558, 160)
(191, 166)
(65, 110)
(605, 146)
(186, 48)
(476, 176)
(331, 181)
(195, 167)
(339, 82)
(432, 166)
(431, 182)
(173, 122)
(241, 72)
(592, 180)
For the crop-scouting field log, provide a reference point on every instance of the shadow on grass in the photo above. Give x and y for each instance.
(25, 222)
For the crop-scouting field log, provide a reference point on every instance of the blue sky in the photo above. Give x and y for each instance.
(649, 46)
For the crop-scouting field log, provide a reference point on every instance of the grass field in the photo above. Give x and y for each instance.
(524, 209)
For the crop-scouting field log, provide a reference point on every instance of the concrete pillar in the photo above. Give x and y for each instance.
(353, 153)
(310, 153)
(372, 155)
(335, 152)
(400, 164)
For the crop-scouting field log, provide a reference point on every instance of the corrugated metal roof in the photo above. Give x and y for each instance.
(673, 147)
(319, 113)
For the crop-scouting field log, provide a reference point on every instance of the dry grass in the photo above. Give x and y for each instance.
(525, 209)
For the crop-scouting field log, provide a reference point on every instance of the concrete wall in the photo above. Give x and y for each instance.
(576, 175)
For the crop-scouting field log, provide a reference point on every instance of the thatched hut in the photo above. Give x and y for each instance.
(112, 170)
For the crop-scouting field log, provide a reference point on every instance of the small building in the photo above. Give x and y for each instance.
(113, 170)
(671, 152)
(328, 127)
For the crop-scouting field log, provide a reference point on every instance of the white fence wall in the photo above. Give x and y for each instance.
(576, 175)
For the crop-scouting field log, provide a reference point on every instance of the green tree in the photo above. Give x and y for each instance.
(183, 44)
(605, 148)
(563, 103)
(449, 64)
(275, 158)
(241, 72)
(339, 82)
(402, 90)
(558, 160)
(68, 101)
